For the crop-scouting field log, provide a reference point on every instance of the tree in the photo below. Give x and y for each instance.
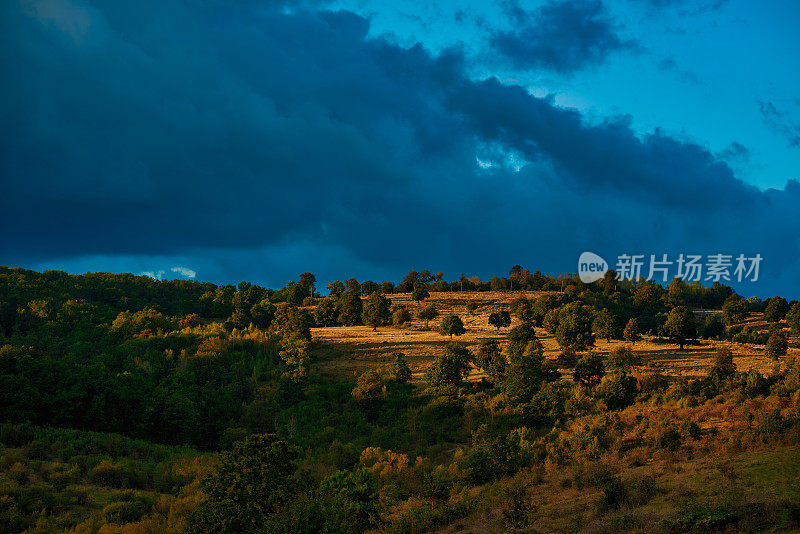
(399, 369)
(451, 325)
(350, 308)
(632, 333)
(514, 274)
(574, 330)
(794, 318)
(500, 319)
(777, 345)
(680, 325)
(251, 483)
(525, 372)
(471, 306)
(713, 328)
(722, 367)
(420, 293)
(369, 287)
(326, 313)
(589, 370)
(450, 367)
(336, 288)
(369, 388)
(296, 355)
(428, 313)
(353, 286)
(518, 339)
(376, 311)
(491, 360)
(307, 281)
(776, 310)
(622, 359)
(400, 316)
(262, 313)
(734, 310)
(606, 324)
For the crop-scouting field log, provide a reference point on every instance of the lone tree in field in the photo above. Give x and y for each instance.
(632, 333)
(777, 308)
(400, 316)
(427, 313)
(452, 326)
(420, 293)
(376, 311)
(574, 330)
(680, 325)
(606, 325)
(500, 319)
(777, 345)
(622, 359)
(722, 368)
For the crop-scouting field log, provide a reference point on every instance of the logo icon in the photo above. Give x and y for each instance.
(591, 267)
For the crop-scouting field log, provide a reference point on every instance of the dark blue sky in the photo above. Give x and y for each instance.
(256, 140)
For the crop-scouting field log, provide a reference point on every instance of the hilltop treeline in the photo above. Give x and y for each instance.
(186, 406)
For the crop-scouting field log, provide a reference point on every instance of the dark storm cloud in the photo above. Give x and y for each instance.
(559, 36)
(278, 138)
(782, 122)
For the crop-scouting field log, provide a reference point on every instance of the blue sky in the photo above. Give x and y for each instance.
(257, 140)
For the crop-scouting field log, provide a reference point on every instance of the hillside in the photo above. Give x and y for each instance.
(128, 404)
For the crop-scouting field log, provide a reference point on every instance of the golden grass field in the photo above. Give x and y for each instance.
(356, 349)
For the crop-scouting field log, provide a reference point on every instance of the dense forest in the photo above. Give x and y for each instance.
(140, 405)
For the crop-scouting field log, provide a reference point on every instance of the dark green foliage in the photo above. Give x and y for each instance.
(500, 319)
(589, 370)
(335, 288)
(399, 369)
(350, 308)
(326, 313)
(428, 313)
(618, 390)
(714, 328)
(680, 325)
(776, 310)
(376, 311)
(450, 368)
(525, 372)
(252, 482)
(574, 331)
(606, 325)
(722, 368)
(622, 359)
(420, 293)
(491, 360)
(451, 326)
(400, 316)
(262, 314)
(734, 310)
(776, 346)
(632, 331)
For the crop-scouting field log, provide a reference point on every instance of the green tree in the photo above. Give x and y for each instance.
(350, 308)
(326, 312)
(776, 310)
(451, 325)
(262, 313)
(680, 325)
(450, 367)
(734, 310)
(420, 293)
(251, 483)
(500, 319)
(589, 370)
(295, 353)
(471, 306)
(632, 333)
(713, 327)
(336, 288)
(518, 339)
(400, 316)
(606, 325)
(722, 367)
(490, 358)
(776, 346)
(369, 388)
(622, 359)
(794, 318)
(376, 311)
(525, 372)
(574, 330)
(399, 369)
(428, 313)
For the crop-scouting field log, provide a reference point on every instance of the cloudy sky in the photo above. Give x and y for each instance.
(255, 140)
